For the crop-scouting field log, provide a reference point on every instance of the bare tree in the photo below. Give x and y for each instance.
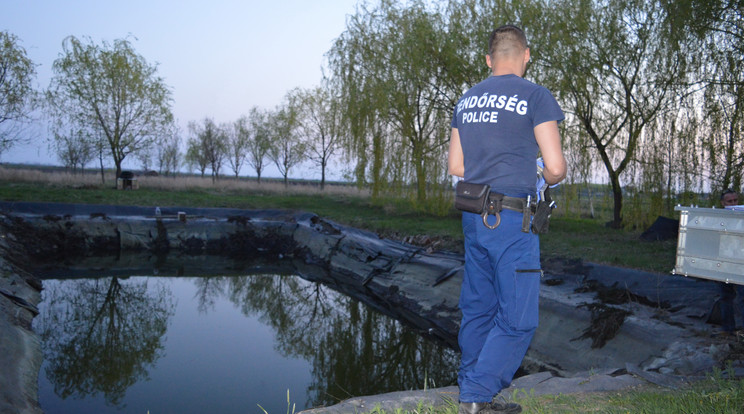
(320, 125)
(238, 141)
(75, 148)
(169, 152)
(145, 157)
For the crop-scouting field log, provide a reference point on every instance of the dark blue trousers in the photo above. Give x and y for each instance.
(499, 303)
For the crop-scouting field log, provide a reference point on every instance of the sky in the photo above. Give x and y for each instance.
(220, 57)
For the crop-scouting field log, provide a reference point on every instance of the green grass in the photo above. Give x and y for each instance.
(713, 395)
(591, 241)
(586, 239)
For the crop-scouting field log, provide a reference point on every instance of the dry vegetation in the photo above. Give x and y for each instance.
(65, 178)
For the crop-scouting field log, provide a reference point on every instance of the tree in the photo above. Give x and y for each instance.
(615, 70)
(145, 157)
(169, 152)
(76, 144)
(337, 332)
(286, 150)
(195, 157)
(389, 62)
(238, 140)
(75, 148)
(17, 97)
(724, 115)
(114, 89)
(320, 125)
(720, 25)
(102, 335)
(258, 146)
(207, 146)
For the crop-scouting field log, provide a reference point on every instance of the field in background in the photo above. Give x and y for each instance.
(92, 179)
(574, 234)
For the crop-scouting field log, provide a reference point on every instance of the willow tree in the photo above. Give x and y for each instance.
(363, 138)
(111, 88)
(469, 26)
(390, 66)
(724, 116)
(612, 67)
(719, 24)
(17, 95)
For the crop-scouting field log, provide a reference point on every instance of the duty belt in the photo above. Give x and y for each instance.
(497, 202)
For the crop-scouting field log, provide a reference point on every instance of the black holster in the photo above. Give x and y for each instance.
(542, 211)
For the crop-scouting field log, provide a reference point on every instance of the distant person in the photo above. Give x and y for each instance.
(729, 198)
(732, 295)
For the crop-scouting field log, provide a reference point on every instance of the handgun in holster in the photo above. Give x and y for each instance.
(542, 211)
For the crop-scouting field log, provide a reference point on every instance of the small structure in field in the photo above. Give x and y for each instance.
(127, 181)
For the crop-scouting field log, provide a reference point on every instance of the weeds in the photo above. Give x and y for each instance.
(290, 407)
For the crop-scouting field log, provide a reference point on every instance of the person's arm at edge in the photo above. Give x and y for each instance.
(455, 159)
(549, 140)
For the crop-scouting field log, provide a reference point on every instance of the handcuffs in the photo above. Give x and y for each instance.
(539, 209)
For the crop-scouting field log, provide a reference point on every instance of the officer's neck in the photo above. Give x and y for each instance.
(509, 66)
(507, 69)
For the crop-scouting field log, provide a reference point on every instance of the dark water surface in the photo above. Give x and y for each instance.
(224, 344)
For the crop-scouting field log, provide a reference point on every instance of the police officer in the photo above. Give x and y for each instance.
(498, 127)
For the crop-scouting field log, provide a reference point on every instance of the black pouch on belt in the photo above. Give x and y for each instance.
(471, 197)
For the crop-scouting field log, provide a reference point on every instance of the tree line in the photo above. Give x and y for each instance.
(106, 103)
(652, 92)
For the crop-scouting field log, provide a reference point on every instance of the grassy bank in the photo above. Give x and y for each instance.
(587, 239)
(713, 395)
(582, 238)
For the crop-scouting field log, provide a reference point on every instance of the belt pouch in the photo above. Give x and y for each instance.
(471, 197)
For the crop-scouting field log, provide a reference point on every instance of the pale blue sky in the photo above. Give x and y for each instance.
(220, 57)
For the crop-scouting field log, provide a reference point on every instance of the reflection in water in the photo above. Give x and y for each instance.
(353, 350)
(104, 335)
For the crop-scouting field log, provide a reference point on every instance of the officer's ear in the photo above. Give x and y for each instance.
(488, 62)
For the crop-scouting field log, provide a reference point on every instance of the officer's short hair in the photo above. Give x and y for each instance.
(506, 40)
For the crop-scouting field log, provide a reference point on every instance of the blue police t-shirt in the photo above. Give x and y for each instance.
(496, 120)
